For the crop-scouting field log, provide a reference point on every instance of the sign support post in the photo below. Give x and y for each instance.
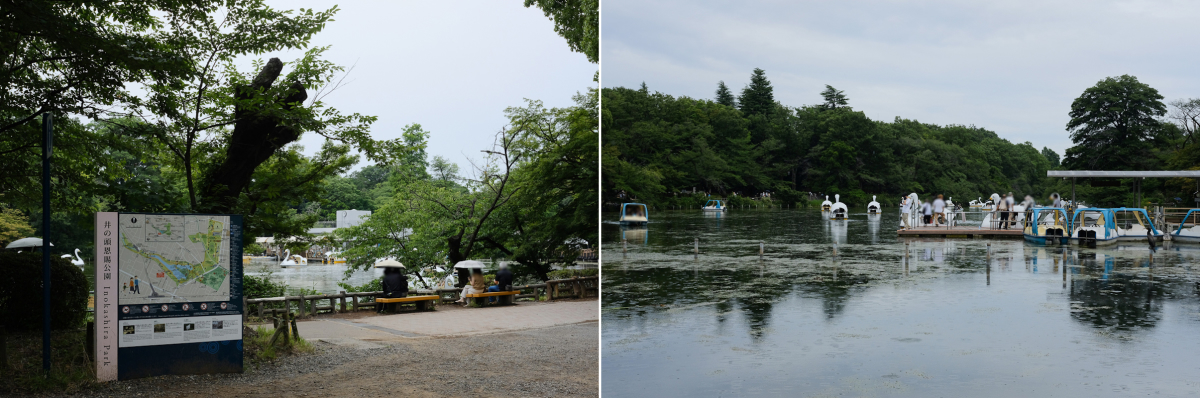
(47, 140)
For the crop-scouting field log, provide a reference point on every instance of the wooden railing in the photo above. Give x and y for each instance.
(578, 287)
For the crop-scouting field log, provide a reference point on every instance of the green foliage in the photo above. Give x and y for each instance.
(21, 292)
(374, 285)
(578, 21)
(724, 96)
(758, 97)
(571, 273)
(262, 287)
(834, 98)
(1112, 125)
(13, 225)
(658, 148)
(1051, 157)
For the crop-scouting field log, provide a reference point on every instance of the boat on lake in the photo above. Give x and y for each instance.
(1093, 226)
(1185, 233)
(634, 214)
(838, 210)
(873, 207)
(714, 205)
(293, 260)
(1049, 225)
(1134, 225)
(826, 205)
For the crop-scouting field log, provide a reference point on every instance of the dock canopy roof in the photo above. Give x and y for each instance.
(1124, 174)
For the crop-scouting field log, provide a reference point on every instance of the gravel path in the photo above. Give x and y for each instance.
(548, 362)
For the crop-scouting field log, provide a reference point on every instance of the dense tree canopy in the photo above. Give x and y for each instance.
(656, 146)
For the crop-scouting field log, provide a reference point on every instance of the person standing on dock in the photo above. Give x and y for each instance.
(905, 211)
(1012, 207)
(1003, 207)
(939, 211)
(927, 211)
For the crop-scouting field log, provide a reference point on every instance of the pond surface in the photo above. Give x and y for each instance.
(948, 319)
(322, 278)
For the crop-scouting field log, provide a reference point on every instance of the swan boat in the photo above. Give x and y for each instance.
(838, 209)
(826, 205)
(873, 207)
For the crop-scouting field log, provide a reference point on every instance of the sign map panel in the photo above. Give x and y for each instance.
(173, 258)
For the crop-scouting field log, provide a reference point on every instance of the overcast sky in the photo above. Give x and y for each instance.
(1012, 67)
(450, 66)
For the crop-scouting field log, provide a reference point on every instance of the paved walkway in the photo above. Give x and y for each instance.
(363, 332)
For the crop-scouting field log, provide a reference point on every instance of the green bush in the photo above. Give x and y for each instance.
(21, 292)
(375, 285)
(571, 273)
(262, 287)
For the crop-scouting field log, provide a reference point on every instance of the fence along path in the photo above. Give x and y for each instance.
(578, 287)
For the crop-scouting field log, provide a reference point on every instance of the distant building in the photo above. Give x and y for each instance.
(350, 218)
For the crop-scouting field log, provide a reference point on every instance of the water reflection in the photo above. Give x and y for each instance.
(881, 304)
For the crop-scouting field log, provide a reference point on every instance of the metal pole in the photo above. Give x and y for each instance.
(47, 141)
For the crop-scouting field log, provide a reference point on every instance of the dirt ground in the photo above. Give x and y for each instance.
(548, 362)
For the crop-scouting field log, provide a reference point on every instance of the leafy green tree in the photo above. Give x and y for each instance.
(758, 97)
(1051, 156)
(834, 98)
(578, 21)
(1112, 124)
(427, 224)
(76, 57)
(13, 225)
(444, 170)
(724, 96)
(554, 208)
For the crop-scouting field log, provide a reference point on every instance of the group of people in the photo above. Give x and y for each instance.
(476, 283)
(931, 213)
(935, 212)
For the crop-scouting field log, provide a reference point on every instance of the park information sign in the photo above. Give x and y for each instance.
(169, 294)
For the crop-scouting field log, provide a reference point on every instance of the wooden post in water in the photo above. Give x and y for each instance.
(696, 245)
(760, 250)
(624, 247)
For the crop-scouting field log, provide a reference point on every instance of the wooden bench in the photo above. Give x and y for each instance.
(504, 297)
(422, 302)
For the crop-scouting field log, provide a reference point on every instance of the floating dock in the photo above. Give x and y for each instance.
(961, 232)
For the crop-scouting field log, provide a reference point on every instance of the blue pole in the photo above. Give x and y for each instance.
(47, 136)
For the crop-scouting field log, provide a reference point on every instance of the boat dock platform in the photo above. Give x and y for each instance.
(960, 232)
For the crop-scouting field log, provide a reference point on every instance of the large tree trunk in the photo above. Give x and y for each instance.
(255, 138)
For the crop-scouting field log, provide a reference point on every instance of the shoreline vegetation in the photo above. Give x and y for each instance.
(659, 148)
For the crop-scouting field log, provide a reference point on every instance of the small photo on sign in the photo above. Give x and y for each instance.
(127, 329)
(159, 328)
(189, 326)
(218, 324)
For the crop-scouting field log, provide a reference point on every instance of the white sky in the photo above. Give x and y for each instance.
(452, 67)
(1012, 67)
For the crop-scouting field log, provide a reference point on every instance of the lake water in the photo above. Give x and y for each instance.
(322, 278)
(949, 319)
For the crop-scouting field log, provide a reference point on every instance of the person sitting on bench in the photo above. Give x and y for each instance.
(395, 283)
(504, 278)
(476, 286)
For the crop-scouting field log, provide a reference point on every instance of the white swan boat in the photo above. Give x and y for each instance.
(873, 207)
(838, 209)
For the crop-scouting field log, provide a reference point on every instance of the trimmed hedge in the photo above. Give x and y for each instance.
(21, 292)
